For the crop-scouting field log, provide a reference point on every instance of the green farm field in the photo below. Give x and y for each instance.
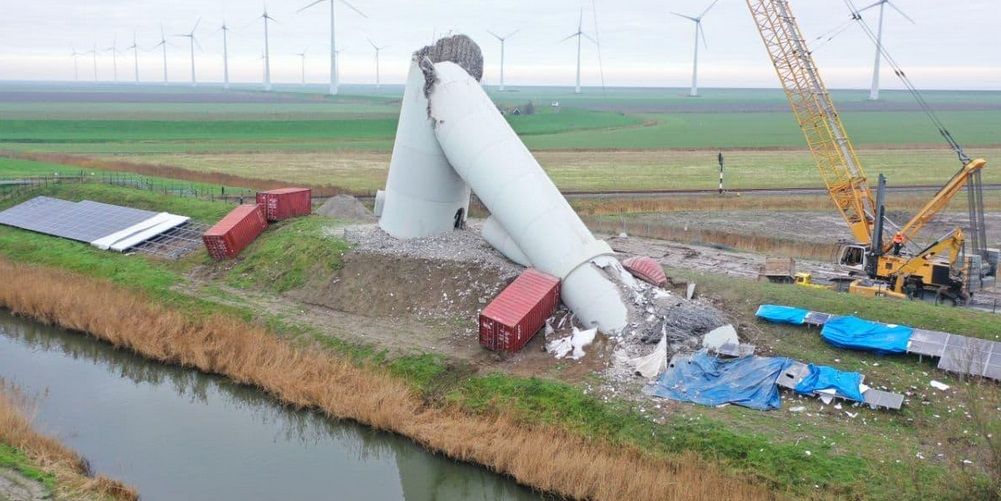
(616, 139)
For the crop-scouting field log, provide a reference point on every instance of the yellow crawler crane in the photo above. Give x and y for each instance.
(889, 268)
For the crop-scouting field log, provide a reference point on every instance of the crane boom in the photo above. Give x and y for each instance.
(818, 118)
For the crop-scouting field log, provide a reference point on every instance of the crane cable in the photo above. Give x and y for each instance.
(897, 70)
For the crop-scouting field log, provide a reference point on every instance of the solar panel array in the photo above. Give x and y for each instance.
(84, 221)
(960, 354)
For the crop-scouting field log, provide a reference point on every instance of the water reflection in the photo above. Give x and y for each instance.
(178, 434)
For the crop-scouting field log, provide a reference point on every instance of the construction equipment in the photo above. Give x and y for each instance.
(886, 268)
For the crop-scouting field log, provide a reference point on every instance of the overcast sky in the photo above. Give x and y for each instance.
(953, 45)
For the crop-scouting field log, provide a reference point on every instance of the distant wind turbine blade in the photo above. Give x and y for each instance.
(498, 37)
(585, 35)
(891, 4)
(580, 21)
(569, 37)
(197, 44)
(352, 7)
(708, 8)
(509, 35)
(690, 18)
(199, 21)
(310, 5)
(703, 33)
(874, 4)
(370, 42)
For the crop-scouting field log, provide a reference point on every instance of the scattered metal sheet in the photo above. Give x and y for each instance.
(817, 318)
(879, 398)
(793, 375)
(736, 350)
(84, 221)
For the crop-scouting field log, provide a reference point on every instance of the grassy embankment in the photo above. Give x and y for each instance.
(43, 459)
(767, 446)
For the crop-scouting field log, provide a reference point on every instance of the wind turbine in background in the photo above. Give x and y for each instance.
(267, 51)
(502, 40)
(114, 57)
(334, 74)
(378, 84)
(302, 58)
(163, 45)
(698, 33)
(135, 55)
(93, 52)
(580, 33)
(192, 41)
(874, 91)
(76, 67)
(225, 55)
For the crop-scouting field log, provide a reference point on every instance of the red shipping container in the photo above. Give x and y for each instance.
(647, 269)
(286, 202)
(519, 311)
(235, 231)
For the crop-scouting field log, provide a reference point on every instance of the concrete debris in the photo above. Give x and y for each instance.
(939, 385)
(572, 345)
(797, 409)
(720, 336)
(345, 208)
(691, 291)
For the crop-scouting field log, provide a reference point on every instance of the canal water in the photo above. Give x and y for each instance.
(178, 434)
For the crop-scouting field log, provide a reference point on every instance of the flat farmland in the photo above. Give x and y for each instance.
(365, 171)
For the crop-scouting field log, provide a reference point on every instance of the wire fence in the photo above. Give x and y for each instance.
(11, 187)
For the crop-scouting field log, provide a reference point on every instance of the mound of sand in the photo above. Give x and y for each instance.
(347, 208)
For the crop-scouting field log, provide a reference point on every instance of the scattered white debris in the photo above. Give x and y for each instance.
(938, 385)
(808, 453)
(799, 408)
(580, 339)
(651, 365)
(720, 336)
(852, 415)
(691, 291)
(826, 396)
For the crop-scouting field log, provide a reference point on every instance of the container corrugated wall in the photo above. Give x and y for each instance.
(235, 232)
(519, 311)
(285, 203)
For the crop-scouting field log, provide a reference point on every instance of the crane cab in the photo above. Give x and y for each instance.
(853, 258)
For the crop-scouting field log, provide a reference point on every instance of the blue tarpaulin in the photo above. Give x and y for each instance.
(707, 380)
(782, 314)
(821, 377)
(857, 334)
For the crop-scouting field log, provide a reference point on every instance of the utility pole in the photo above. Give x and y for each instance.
(719, 157)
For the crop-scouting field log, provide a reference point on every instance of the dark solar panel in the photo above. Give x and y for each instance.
(85, 221)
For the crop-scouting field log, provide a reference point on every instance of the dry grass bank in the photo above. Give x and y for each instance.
(73, 480)
(545, 458)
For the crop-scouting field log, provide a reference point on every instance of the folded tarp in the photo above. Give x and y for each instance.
(707, 380)
(856, 334)
(782, 314)
(845, 384)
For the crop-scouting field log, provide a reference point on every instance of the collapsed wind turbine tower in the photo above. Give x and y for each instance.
(378, 83)
(874, 90)
(580, 33)
(698, 33)
(334, 53)
(267, 51)
(192, 41)
(502, 39)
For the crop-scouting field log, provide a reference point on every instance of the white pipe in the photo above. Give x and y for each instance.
(423, 193)
(487, 153)
(499, 239)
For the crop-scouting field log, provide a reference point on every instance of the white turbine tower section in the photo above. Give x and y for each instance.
(192, 42)
(334, 53)
(163, 45)
(378, 82)
(135, 56)
(874, 90)
(114, 58)
(225, 56)
(580, 33)
(502, 39)
(694, 92)
(302, 57)
(267, 50)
